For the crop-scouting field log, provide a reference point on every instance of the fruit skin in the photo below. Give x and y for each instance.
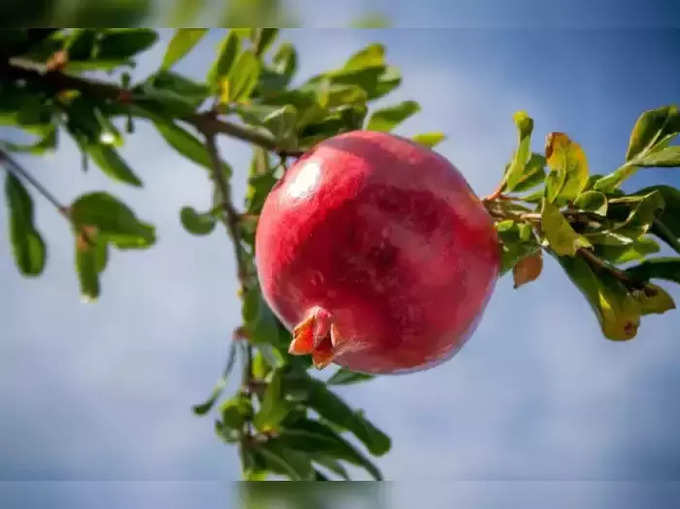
(377, 253)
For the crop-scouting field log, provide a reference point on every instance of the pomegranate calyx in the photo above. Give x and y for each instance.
(316, 335)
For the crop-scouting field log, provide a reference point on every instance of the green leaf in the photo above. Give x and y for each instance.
(226, 55)
(318, 439)
(87, 266)
(114, 221)
(274, 407)
(28, 247)
(515, 172)
(120, 43)
(616, 309)
(197, 223)
(657, 268)
(666, 226)
(112, 164)
(386, 119)
(243, 76)
(169, 92)
(331, 464)
(262, 39)
(666, 157)
(568, 165)
(185, 143)
(592, 201)
(516, 243)
(654, 128)
(279, 121)
(637, 250)
(429, 139)
(331, 407)
(533, 174)
(371, 56)
(260, 323)
(559, 233)
(652, 133)
(291, 462)
(632, 216)
(236, 411)
(285, 61)
(344, 376)
(181, 43)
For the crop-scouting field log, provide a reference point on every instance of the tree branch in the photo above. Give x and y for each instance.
(206, 122)
(15, 169)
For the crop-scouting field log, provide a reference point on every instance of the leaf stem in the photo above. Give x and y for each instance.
(11, 166)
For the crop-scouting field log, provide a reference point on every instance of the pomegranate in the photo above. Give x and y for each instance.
(376, 253)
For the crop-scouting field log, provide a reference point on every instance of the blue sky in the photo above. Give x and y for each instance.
(103, 391)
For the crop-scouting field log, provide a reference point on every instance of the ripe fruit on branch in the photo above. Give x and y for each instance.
(376, 253)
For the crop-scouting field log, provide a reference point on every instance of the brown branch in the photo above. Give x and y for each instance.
(600, 264)
(206, 122)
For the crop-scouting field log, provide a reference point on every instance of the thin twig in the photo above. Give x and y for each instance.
(15, 169)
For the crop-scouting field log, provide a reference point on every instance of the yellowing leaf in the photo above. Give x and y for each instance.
(559, 233)
(567, 160)
(617, 310)
(654, 299)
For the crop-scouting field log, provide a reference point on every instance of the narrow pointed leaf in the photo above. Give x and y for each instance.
(657, 268)
(515, 172)
(386, 119)
(429, 139)
(110, 162)
(28, 247)
(181, 44)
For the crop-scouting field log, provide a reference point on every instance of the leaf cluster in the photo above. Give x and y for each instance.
(602, 237)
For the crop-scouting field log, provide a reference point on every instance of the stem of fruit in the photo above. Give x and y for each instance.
(11, 166)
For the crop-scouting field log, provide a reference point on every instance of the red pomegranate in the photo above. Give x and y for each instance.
(376, 253)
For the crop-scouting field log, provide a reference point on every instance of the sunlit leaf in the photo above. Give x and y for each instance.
(242, 77)
(654, 300)
(515, 172)
(181, 44)
(559, 233)
(429, 139)
(568, 165)
(226, 55)
(386, 119)
(652, 129)
(616, 309)
(371, 56)
(638, 249)
(592, 201)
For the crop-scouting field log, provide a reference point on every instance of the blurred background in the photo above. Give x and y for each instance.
(103, 391)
